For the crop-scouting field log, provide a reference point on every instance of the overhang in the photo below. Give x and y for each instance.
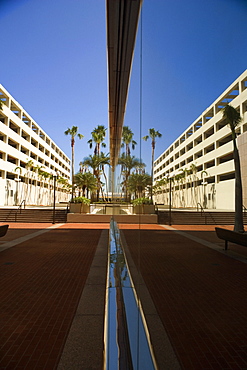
(122, 22)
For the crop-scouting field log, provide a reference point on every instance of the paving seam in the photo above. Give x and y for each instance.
(22, 239)
(213, 246)
(84, 346)
(163, 350)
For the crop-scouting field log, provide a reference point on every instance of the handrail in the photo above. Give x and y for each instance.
(20, 205)
(204, 213)
(201, 207)
(19, 208)
(244, 208)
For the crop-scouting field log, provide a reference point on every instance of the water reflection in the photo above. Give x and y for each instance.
(126, 342)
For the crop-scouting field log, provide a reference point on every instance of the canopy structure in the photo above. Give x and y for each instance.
(122, 22)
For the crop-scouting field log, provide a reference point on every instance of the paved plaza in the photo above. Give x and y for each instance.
(53, 285)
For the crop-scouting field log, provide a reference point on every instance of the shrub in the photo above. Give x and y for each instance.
(139, 201)
(80, 200)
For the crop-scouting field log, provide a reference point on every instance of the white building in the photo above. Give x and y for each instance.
(200, 161)
(28, 159)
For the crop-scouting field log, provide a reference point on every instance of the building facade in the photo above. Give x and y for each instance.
(29, 159)
(198, 167)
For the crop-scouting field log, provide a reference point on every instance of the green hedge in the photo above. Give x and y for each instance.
(139, 201)
(80, 200)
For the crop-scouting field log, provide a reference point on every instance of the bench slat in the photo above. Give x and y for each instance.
(231, 236)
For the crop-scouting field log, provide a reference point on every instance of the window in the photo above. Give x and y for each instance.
(182, 139)
(14, 127)
(10, 176)
(198, 140)
(15, 109)
(3, 137)
(24, 150)
(11, 159)
(34, 142)
(189, 147)
(209, 148)
(182, 151)
(197, 125)
(208, 133)
(210, 164)
(25, 136)
(208, 115)
(190, 159)
(198, 154)
(13, 144)
(224, 140)
(227, 176)
(225, 158)
(26, 120)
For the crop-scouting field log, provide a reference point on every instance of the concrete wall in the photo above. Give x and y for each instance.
(13, 193)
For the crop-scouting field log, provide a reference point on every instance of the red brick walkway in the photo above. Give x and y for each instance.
(41, 284)
(199, 293)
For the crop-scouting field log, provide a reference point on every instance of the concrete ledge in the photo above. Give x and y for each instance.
(124, 219)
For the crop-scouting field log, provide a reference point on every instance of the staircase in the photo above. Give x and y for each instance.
(32, 215)
(198, 218)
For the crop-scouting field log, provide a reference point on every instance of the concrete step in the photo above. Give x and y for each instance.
(198, 218)
(32, 215)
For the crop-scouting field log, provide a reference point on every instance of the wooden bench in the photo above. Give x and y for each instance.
(231, 236)
(3, 229)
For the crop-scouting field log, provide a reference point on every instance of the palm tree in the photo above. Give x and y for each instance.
(127, 139)
(140, 167)
(158, 187)
(29, 168)
(64, 184)
(73, 132)
(82, 167)
(193, 172)
(98, 137)
(153, 134)
(96, 162)
(233, 118)
(17, 187)
(86, 182)
(138, 183)
(127, 163)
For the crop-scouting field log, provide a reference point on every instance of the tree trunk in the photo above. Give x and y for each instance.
(72, 168)
(152, 171)
(238, 223)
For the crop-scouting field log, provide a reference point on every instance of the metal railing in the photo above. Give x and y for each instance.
(199, 206)
(205, 214)
(23, 202)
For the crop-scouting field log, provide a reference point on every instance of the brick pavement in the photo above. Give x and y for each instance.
(41, 283)
(199, 293)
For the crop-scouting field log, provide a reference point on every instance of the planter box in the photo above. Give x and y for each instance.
(79, 208)
(144, 209)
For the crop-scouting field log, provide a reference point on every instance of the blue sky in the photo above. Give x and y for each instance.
(54, 63)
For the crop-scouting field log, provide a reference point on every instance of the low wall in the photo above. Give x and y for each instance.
(125, 219)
